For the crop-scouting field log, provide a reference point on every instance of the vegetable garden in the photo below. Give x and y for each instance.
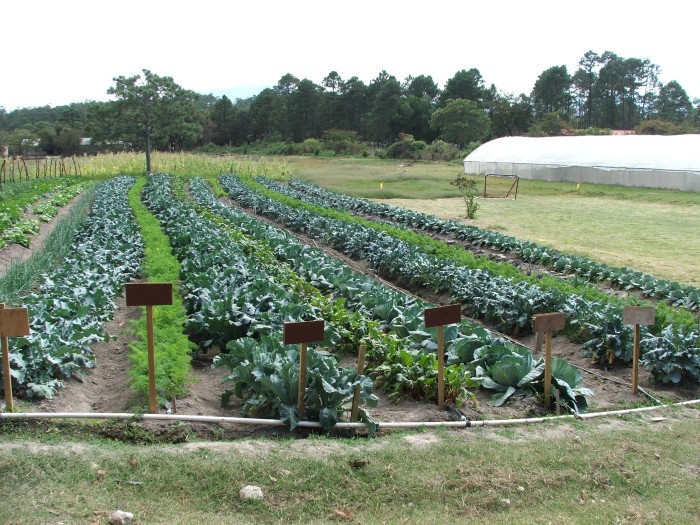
(240, 275)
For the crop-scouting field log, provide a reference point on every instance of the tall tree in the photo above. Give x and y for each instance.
(285, 88)
(422, 86)
(333, 84)
(584, 81)
(673, 103)
(150, 104)
(305, 102)
(510, 115)
(223, 117)
(552, 92)
(460, 122)
(387, 108)
(266, 114)
(354, 105)
(465, 84)
(624, 91)
(421, 95)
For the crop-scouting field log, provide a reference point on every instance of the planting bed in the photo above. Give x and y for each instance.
(105, 388)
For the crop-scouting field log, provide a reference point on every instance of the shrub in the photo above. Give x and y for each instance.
(658, 127)
(594, 131)
(310, 146)
(441, 150)
(405, 148)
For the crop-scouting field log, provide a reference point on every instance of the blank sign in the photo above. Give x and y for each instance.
(303, 332)
(548, 322)
(149, 294)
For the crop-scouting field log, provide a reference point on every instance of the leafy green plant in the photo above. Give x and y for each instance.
(608, 338)
(265, 375)
(399, 316)
(512, 374)
(567, 380)
(23, 275)
(511, 371)
(672, 356)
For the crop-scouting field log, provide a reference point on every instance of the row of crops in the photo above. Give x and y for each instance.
(73, 301)
(43, 197)
(508, 304)
(677, 294)
(408, 364)
(242, 279)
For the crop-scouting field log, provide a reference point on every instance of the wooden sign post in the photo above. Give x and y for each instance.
(548, 323)
(150, 295)
(354, 412)
(441, 316)
(302, 334)
(13, 322)
(637, 315)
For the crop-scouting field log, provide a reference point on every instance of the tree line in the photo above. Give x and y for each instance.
(605, 92)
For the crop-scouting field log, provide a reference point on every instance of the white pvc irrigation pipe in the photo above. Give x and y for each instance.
(315, 424)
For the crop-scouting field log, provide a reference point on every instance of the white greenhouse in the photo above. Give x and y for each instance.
(651, 161)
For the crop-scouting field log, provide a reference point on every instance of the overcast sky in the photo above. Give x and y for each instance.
(62, 51)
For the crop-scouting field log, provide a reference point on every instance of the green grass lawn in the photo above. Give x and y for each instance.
(650, 230)
(622, 470)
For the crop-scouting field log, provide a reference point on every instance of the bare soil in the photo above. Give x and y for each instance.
(105, 388)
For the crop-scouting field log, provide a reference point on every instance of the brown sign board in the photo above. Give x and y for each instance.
(149, 294)
(443, 315)
(14, 322)
(304, 332)
(645, 315)
(548, 322)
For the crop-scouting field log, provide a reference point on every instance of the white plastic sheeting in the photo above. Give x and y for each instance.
(631, 160)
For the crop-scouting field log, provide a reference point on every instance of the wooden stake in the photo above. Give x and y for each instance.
(302, 333)
(439, 317)
(149, 295)
(548, 323)
(539, 340)
(547, 369)
(7, 378)
(356, 394)
(301, 405)
(635, 361)
(637, 315)
(441, 366)
(152, 406)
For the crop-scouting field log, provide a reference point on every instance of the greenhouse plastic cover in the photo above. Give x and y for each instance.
(653, 152)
